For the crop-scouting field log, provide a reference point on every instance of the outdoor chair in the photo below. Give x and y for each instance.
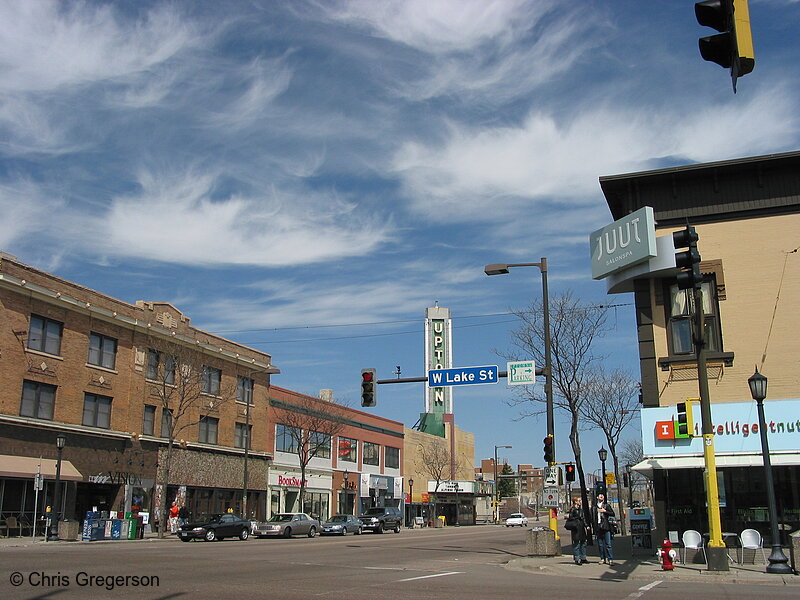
(11, 523)
(750, 539)
(694, 541)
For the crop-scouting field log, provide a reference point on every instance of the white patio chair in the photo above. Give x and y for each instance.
(750, 539)
(694, 541)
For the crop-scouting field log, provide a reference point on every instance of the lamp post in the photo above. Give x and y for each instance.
(497, 486)
(777, 559)
(61, 441)
(268, 511)
(411, 498)
(246, 457)
(345, 477)
(629, 469)
(603, 454)
(500, 269)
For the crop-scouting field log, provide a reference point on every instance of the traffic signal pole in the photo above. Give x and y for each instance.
(690, 278)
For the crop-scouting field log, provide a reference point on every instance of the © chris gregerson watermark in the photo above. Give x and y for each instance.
(44, 579)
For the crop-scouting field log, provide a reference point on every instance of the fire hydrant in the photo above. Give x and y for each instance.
(667, 555)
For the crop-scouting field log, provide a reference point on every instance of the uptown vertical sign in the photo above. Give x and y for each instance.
(626, 242)
(438, 355)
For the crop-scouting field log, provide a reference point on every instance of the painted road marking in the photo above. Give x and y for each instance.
(643, 589)
(429, 576)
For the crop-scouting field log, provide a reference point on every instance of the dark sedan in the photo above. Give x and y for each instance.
(341, 525)
(215, 527)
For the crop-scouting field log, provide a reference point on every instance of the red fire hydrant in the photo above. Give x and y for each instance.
(667, 555)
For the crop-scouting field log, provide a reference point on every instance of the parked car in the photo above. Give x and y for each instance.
(287, 525)
(517, 519)
(341, 525)
(215, 527)
(379, 519)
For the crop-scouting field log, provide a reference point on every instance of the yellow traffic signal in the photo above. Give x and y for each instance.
(733, 47)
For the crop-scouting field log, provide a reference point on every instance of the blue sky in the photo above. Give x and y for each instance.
(306, 177)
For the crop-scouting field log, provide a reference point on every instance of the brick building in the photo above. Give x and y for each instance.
(121, 381)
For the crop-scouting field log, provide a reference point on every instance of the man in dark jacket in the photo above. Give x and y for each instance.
(601, 511)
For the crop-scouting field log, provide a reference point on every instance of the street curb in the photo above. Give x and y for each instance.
(643, 571)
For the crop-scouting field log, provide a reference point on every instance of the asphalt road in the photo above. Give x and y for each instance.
(451, 564)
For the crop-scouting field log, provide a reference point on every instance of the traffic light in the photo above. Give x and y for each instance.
(368, 383)
(626, 481)
(570, 470)
(684, 423)
(688, 260)
(733, 48)
(549, 458)
(600, 488)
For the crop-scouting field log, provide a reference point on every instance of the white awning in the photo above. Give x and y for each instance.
(648, 465)
(27, 466)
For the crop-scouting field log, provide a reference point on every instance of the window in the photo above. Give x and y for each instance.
(320, 444)
(681, 303)
(372, 454)
(286, 438)
(348, 450)
(392, 459)
(97, 411)
(149, 421)
(156, 372)
(244, 390)
(166, 422)
(102, 350)
(45, 335)
(208, 430)
(211, 379)
(242, 434)
(38, 400)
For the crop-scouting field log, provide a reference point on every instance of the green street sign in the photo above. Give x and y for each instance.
(521, 372)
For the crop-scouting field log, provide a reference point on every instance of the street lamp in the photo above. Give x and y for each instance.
(496, 486)
(629, 469)
(777, 559)
(411, 498)
(61, 441)
(603, 454)
(345, 477)
(501, 269)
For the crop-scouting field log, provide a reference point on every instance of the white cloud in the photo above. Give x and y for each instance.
(26, 211)
(48, 44)
(490, 172)
(177, 219)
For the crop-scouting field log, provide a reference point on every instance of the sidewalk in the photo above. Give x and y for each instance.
(642, 565)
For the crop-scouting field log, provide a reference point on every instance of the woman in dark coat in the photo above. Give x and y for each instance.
(578, 533)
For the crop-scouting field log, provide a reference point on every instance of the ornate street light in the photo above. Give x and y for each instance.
(603, 454)
(777, 559)
(61, 441)
(497, 487)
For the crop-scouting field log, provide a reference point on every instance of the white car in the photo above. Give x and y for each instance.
(517, 519)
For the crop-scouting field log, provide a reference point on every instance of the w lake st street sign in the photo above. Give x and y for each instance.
(463, 376)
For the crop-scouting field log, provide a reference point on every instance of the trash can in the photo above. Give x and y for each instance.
(68, 530)
(541, 541)
(441, 521)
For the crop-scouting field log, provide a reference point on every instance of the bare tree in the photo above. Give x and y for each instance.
(311, 424)
(574, 327)
(433, 459)
(632, 453)
(187, 390)
(611, 406)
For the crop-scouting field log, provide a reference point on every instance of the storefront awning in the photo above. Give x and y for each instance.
(27, 466)
(648, 465)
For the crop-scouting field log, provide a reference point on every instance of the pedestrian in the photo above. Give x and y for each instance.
(601, 511)
(173, 517)
(183, 515)
(576, 525)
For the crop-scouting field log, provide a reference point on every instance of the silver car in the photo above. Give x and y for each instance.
(341, 525)
(286, 525)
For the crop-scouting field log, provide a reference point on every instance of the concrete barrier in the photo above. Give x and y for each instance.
(541, 541)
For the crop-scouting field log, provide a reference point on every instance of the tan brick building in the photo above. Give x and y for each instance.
(747, 215)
